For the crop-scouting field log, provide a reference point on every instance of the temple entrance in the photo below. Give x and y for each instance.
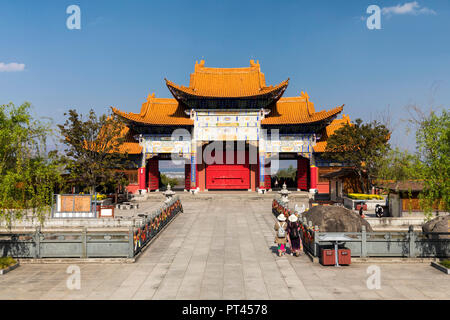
(173, 173)
(228, 176)
(152, 174)
(227, 169)
(303, 174)
(284, 171)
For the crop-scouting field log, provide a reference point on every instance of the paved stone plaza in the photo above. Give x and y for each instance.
(223, 249)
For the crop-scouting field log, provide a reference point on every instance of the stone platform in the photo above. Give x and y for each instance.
(223, 249)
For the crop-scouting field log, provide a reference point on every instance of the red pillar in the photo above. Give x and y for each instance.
(253, 175)
(201, 176)
(153, 174)
(314, 177)
(141, 178)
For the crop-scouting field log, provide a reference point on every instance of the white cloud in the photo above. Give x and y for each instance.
(408, 8)
(11, 67)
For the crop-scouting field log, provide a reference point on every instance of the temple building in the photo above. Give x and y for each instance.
(232, 116)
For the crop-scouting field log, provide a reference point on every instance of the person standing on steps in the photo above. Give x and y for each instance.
(281, 237)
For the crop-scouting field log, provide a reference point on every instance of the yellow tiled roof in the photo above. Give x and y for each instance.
(329, 130)
(130, 145)
(297, 110)
(158, 111)
(227, 82)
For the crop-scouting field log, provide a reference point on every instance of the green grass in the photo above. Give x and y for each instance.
(445, 263)
(5, 262)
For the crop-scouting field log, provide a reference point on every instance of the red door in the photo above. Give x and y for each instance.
(229, 175)
(267, 177)
(187, 176)
(153, 174)
(302, 173)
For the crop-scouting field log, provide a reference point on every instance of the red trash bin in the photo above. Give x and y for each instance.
(344, 256)
(364, 206)
(327, 257)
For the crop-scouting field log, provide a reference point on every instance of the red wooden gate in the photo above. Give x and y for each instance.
(228, 176)
(153, 174)
(302, 173)
(187, 176)
(267, 176)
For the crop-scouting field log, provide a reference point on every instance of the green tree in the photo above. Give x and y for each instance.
(28, 173)
(362, 145)
(288, 173)
(165, 180)
(433, 145)
(93, 154)
(398, 165)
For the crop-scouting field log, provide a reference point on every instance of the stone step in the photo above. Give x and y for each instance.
(232, 195)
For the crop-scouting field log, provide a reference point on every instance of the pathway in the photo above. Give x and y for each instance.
(223, 249)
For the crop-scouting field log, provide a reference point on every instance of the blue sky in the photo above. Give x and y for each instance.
(125, 49)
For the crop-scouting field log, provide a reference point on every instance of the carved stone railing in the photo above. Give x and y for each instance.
(111, 240)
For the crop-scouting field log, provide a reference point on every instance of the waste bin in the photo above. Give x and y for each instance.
(360, 204)
(327, 256)
(344, 256)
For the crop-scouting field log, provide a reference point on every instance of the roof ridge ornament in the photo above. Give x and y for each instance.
(253, 64)
(306, 96)
(199, 65)
(346, 117)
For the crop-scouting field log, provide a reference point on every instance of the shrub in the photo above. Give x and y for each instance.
(361, 196)
(445, 263)
(100, 197)
(5, 262)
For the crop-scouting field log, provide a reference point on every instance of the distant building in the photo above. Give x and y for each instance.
(403, 196)
(235, 107)
(343, 182)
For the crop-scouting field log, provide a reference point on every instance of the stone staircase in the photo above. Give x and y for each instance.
(295, 196)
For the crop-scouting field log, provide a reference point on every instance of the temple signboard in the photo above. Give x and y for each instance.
(229, 126)
(165, 144)
(300, 143)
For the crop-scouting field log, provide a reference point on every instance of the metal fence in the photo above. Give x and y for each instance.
(372, 244)
(89, 244)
